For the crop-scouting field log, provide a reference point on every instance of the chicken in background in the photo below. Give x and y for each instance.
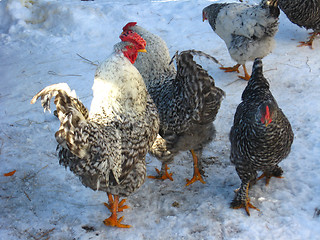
(187, 100)
(304, 13)
(261, 136)
(106, 147)
(248, 31)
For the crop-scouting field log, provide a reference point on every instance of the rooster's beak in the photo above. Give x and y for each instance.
(142, 50)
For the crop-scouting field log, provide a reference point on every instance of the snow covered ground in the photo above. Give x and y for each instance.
(39, 43)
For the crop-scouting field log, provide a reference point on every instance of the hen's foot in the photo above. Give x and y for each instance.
(268, 176)
(163, 175)
(196, 177)
(246, 74)
(246, 205)
(235, 68)
(310, 41)
(239, 203)
(114, 206)
(196, 174)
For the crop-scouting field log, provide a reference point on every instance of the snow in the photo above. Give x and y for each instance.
(39, 43)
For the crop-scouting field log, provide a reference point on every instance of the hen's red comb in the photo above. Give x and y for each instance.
(128, 25)
(133, 37)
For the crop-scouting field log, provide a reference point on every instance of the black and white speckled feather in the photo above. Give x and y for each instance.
(248, 31)
(106, 148)
(255, 146)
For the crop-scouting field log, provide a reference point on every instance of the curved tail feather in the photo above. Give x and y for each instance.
(72, 114)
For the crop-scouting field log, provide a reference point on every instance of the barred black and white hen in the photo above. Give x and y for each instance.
(304, 13)
(187, 105)
(261, 136)
(187, 100)
(248, 31)
(106, 147)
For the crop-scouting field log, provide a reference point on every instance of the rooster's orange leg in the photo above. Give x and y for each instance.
(310, 41)
(113, 206)
(121, 207)
(196, 174)
(163, 176)
(235, 68)
(247, 203)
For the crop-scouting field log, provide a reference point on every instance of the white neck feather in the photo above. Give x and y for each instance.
(118, 87)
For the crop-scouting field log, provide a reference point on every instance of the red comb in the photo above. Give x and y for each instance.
(128, 25)
(133, 37)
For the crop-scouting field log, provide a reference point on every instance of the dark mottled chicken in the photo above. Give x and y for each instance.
(106, 147)
(248, 31)
(187, 105)
(261, 136)
(304, 13)
(187, 100)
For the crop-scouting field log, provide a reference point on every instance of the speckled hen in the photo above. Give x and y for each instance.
(187, 100)
(106, 147)
(304, 13)
(248, 31)
(261, 136)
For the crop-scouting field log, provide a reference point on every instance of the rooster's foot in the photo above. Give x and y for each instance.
(115, 206)
(112, 221)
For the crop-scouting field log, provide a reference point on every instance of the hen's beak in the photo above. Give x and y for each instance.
(142, 50)
(204, 16)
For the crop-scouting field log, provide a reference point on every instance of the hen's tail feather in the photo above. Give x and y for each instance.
(71, 113)
(198, 53)
(203, 54)
(199, 84)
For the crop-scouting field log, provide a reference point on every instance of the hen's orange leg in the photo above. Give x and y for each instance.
(247, 203)
(310, 41)
(163, 176)
(246, 74)
(235, 68)
(113, 206)
(196, 174)
(267, 176)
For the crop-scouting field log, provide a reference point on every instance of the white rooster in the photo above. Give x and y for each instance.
(106, 147)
